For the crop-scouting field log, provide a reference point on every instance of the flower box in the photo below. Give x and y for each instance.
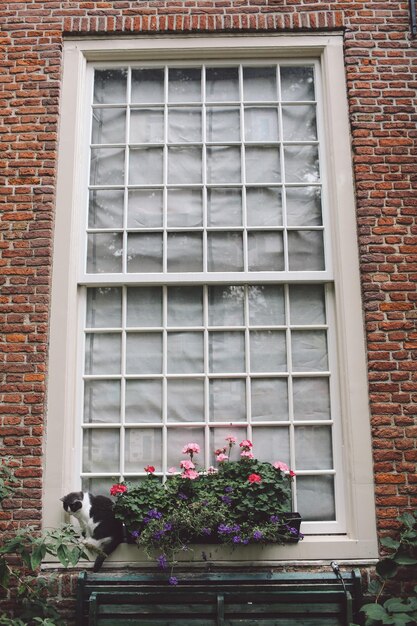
(238, 503)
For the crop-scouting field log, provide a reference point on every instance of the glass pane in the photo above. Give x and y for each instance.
(271, 444)
(225, 252)
(184, 85)
(305, 250)
(105, 208)
(185, 306)
(147, 126)
(222, 84)
(299, 122)
(313, 447)
(185, 400)
(311, 398)
(185, 353)
(107, 166)
(224, 207)
(144, 306)
(315, 498)
(143, 446)
(144, 253)
(177, 439)
(304, 206)
(184, 165)
(301, 164)
(226, 352)
(102, 353)
(147, 85)
(144, 353)
(99, 486)
(268, 351)
(145, 166)
(218, 441)
(226, 305)
(265, 251)
(309, 350)
(259, 83)
(223, 124)
(104, 253)
(307, 304)
(297, 83)
(185, 253)
(223, 165)
(185, 208)
(261, 124)
(145, 208)
(264, 206)
(266, 305)
(101, 401)
(143, 401)
(101, 450)
(110, 86)
(104, 307)
(227, 400)
(263, 165)
(184, 125)
(109, 126)
(269, 399)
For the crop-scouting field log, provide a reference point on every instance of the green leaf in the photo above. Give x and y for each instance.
(37, 555)
(386, 568)
(374, 611)
(62, 554)
(396, 605)
(404, 559)
(389, 542)
(374, 587)
(401, 619)
(408, 520)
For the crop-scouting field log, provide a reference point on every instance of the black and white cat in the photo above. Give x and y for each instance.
(102, 532)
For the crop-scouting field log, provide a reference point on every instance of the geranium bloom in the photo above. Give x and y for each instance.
(222, 457)
(281, 466)
(172, 470)
(191, 448)
(246, 444)
(150, 469)
(116, 490)
(220, 451)
(187, 465)
(190, 473)
(247, 454)
(231, 439)
(254, 478)
(291, 473)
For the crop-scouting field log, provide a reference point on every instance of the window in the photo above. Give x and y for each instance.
(206, 291)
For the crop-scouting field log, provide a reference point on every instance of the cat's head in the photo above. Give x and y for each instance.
(73, 502)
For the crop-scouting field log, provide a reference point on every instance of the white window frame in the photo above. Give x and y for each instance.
(357, 538)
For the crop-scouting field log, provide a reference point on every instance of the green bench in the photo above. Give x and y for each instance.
(220, 599)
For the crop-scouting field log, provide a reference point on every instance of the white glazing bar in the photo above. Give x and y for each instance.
(207, 439)
(247, 365)
(282, 163)
(243, 172)
(165, 176)
(126, 176)
(123, 382)
(290, 393)
(204, 166)
(164, 380)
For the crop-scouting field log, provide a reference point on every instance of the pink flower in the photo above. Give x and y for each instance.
(222, 457)
(281, 466)
(212, 470)
(191, 448)
(149, 469)
(187, 465)
(247, 454)
(220, 451)
(254, 478)
(172, 470)
(291, 473)
(116, 490)
(246, 444)
(190, 473)
(231, 439)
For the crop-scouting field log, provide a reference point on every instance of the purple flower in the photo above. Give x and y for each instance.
(228, 489)
(226, 499)
(257, 534)
(245, 541)
(173, 580)
(206, 531)
(158, 535)
(162, 561)
(167, 527)
(182, 496)
(236, 539)
(135, 534)
(152, 514)
(274, 519)
(224, 529)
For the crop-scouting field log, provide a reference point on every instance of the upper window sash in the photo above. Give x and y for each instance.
(202, 185)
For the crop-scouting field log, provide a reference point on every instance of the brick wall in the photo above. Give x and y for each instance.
(381, 64)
